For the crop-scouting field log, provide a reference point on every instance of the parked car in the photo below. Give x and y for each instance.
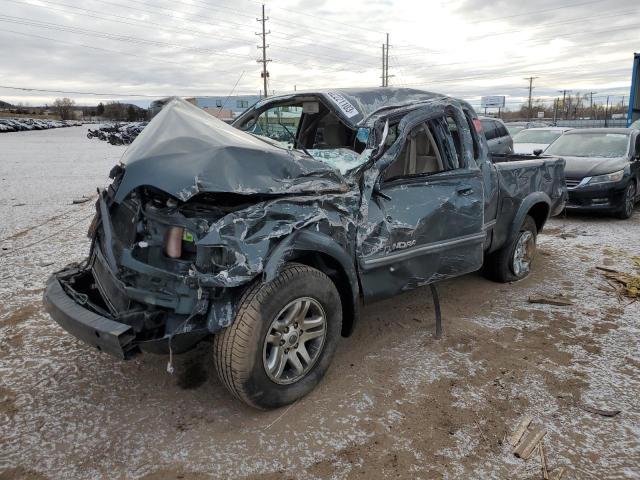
(498, 138)
(272, 248)
(515, 127)
(24, 124)
(603, 168)
(635, 125)
(537, 139)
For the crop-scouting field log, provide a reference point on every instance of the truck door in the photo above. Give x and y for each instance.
(424, 222)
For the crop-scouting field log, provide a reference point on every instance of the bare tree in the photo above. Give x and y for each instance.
(63, 107)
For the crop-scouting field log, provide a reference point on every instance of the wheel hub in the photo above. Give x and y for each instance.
(523, 253)
(294, 340)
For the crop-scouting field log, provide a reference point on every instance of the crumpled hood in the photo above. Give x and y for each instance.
(184, 151)
(580, 167)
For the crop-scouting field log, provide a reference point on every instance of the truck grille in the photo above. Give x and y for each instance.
(113, 297)
(573, 182)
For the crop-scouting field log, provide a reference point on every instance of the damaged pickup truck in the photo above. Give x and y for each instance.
(271, 233)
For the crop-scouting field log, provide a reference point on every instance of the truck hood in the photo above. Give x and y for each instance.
(580, 167)
(184, 151)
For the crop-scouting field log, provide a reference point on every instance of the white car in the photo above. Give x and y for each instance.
(532, 139)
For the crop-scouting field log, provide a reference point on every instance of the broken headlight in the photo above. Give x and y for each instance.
(217, 257)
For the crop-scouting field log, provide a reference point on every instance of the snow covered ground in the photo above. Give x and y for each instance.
(395, 404)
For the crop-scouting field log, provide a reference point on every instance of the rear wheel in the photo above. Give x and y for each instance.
(513, 261)
(628, 201)
(282, 339)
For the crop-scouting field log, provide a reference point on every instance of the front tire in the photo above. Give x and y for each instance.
(628, 201)
(282, 339)
(513, 261)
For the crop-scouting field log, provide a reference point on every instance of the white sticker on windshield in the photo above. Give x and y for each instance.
(616, 135)
(343, 104)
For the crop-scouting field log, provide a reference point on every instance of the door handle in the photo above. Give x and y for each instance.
(464, 190)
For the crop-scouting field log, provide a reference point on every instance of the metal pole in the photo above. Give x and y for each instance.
(264, 61)
(530, 88)
(386, 64)
(264, 54)
(382, 76)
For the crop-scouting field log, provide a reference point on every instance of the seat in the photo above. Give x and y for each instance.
(424, 157)
(334, 136)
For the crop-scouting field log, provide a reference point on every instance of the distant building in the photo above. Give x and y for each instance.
(236, 104)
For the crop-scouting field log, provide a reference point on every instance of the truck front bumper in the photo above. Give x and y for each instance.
(70, 309)
(100, 332)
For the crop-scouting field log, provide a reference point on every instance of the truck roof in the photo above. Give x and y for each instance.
(357, 104)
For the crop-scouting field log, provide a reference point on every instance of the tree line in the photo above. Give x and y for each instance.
(65, 109)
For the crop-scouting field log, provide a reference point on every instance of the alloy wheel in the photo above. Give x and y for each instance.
(294, 340)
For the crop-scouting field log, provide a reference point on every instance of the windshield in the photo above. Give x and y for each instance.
(537, 136)
(319, 133)
(513, 129)
(608, 145)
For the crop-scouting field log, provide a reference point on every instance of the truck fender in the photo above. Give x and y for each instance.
(305, 244)
(531, 200)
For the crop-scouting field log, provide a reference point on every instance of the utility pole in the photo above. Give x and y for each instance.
(606, 112)
(555, 110)
(531, 79)
(564, 104)
(264, 60)
(591, 95)
(386, 64)
(382, 77)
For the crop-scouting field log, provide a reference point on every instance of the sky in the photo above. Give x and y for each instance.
(137, 50)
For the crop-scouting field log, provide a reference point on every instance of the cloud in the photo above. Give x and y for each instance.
(466, 48)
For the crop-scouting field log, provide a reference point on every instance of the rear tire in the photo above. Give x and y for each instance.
(513, 261)
(275, 352)
(628, 201)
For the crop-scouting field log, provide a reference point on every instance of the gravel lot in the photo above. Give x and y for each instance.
(395, 404)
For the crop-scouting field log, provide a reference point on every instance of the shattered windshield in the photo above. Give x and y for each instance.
(607, 145)
(278, 123)
(319, 133)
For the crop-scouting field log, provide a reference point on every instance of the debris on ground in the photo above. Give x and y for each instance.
(83, 199)
(527, 442)
(598, 411)
(557, 299)
(629, 284)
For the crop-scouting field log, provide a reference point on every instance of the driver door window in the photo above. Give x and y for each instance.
(421, 155)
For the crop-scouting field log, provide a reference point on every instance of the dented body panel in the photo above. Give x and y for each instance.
(236, 209)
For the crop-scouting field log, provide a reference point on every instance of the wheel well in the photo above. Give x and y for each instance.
(539, 212)
(332, 268)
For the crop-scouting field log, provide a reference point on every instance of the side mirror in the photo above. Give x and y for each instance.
(537, 152)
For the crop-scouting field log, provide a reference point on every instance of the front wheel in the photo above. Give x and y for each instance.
(513, 261)
(282, 339)
(628, 201)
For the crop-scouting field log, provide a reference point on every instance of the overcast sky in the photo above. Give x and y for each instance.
(466, 48)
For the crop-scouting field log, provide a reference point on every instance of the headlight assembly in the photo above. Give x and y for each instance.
(609, 177)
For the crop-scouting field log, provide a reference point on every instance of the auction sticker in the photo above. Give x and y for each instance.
(343, 104)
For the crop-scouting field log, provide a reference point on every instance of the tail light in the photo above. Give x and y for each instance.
(478, 124)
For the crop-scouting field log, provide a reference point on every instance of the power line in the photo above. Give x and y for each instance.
(537, 26)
